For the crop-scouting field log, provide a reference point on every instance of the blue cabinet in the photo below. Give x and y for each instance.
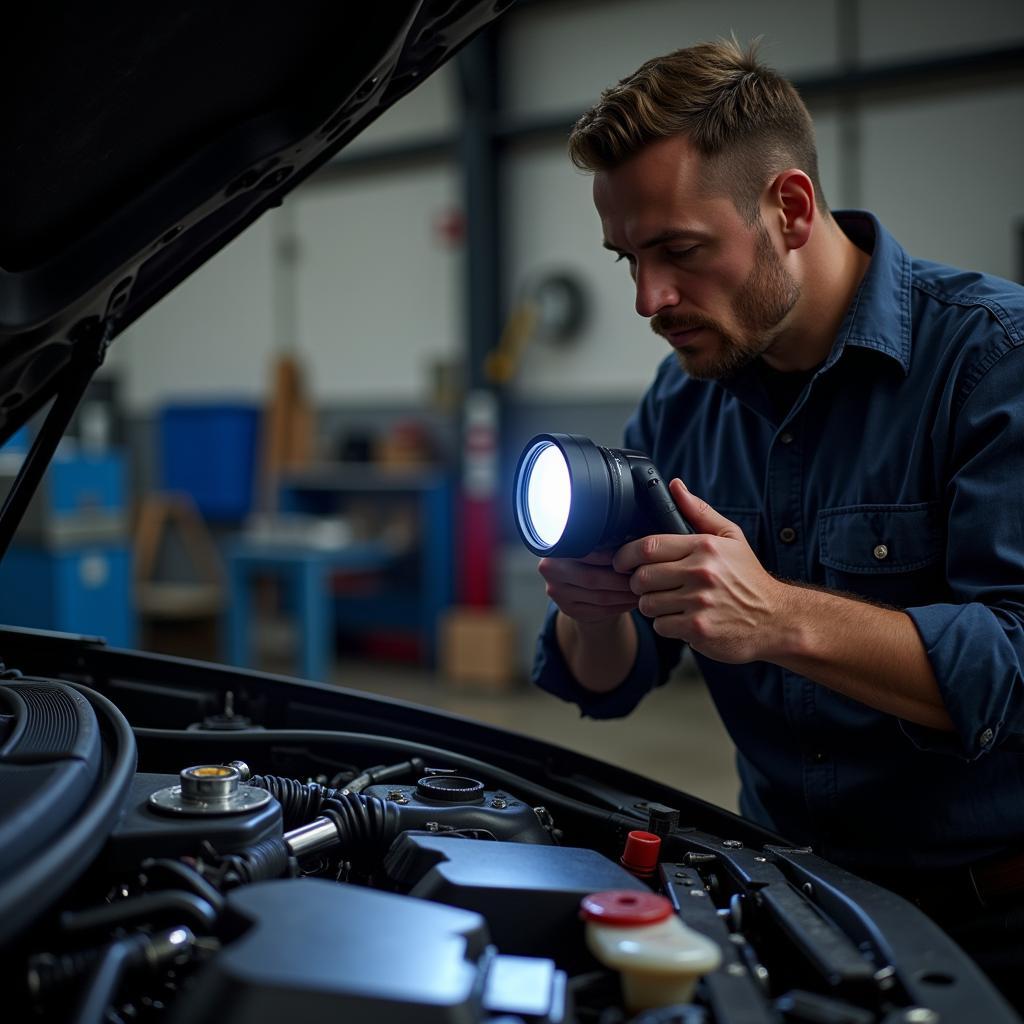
(80, 589)
(70, 566)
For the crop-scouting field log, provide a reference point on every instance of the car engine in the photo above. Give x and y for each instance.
(225, 871)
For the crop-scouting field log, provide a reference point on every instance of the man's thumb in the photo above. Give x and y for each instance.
(699, 514)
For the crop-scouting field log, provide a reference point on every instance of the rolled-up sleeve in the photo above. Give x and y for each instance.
(655, 659)
(976, 641)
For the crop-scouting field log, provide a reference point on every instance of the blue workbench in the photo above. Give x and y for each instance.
(308, 570)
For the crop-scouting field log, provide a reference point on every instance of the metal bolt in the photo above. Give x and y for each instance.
(732, 844)
(885, 977)
(499, 804)
(808, 888)
(697, 892)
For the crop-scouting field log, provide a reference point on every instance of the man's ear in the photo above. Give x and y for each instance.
(792, 195)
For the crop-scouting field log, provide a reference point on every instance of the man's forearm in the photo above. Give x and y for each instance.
(599, 655)
(871, 654)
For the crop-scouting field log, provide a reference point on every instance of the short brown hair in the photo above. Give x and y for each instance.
(743, 116)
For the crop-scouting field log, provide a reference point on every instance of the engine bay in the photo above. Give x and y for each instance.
(211, 867)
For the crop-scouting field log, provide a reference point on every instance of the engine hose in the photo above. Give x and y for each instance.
(366, 825)
(149, 908)
(102, 987)
(257, 863)
(300, 801)
(50, 973)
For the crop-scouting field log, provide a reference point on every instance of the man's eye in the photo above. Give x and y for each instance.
(681, 253)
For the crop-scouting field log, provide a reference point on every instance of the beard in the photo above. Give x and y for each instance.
(765, 299)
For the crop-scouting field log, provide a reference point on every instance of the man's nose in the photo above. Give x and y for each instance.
(654, 292)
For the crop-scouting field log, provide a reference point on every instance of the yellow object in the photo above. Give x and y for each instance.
(501, 364)
(659, 963)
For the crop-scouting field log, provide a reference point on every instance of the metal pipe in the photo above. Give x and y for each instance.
(318, 835)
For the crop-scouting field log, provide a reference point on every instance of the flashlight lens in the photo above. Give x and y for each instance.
(548, 494)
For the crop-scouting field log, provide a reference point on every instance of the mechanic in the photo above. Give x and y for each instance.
(853, 421)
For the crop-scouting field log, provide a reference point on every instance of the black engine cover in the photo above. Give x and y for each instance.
(313, 951)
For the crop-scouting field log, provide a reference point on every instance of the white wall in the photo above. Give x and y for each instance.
(378, 296)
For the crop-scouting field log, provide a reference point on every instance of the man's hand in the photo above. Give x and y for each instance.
(710, 590)
(588, 589)
(706, 588)
(594, 630)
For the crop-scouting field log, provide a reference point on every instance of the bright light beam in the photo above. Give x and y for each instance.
(548, 495)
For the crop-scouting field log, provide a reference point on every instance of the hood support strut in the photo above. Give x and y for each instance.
(89, 350)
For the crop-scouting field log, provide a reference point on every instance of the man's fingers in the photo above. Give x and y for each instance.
(657, 576)
(700, 515)
(595, 577)
(659, 547)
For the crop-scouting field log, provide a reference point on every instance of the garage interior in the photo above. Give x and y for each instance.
(301, 460)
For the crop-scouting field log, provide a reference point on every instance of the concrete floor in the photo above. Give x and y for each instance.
(674, 736)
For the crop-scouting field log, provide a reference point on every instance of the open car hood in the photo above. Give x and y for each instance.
(141, 140)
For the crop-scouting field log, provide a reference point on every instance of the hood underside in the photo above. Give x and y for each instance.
(140, 140)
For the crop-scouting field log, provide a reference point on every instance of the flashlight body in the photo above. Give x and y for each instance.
(655, 506)
(603, 497)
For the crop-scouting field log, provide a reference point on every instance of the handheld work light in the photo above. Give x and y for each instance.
(573, 496)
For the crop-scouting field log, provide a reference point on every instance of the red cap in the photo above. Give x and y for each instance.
(641, 853)
(625, 908)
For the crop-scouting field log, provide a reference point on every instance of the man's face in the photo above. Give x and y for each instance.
(712, 285)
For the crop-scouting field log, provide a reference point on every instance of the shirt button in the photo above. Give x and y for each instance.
(986, 737)
(881, 552)
(787, 535)
(786, 438)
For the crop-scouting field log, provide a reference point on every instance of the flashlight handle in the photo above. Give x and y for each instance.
(660, 506)
(663, 510)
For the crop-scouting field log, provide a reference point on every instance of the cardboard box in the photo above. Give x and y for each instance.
(479, 650)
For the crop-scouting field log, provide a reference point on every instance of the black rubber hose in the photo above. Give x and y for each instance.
(301, 802)
(102, 987)
(50, 973)
(270, 859)
(385, 773)
(366, 825)
(181, 875)
(150, 908)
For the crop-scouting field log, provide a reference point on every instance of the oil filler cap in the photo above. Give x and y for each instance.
(451, 789)
(209, 789)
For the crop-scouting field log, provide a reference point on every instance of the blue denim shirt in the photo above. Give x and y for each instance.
(897, 475)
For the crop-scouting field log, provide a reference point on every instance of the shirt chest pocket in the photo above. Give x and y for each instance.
(888, 553)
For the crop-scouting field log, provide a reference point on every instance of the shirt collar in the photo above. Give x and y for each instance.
(879, 317)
